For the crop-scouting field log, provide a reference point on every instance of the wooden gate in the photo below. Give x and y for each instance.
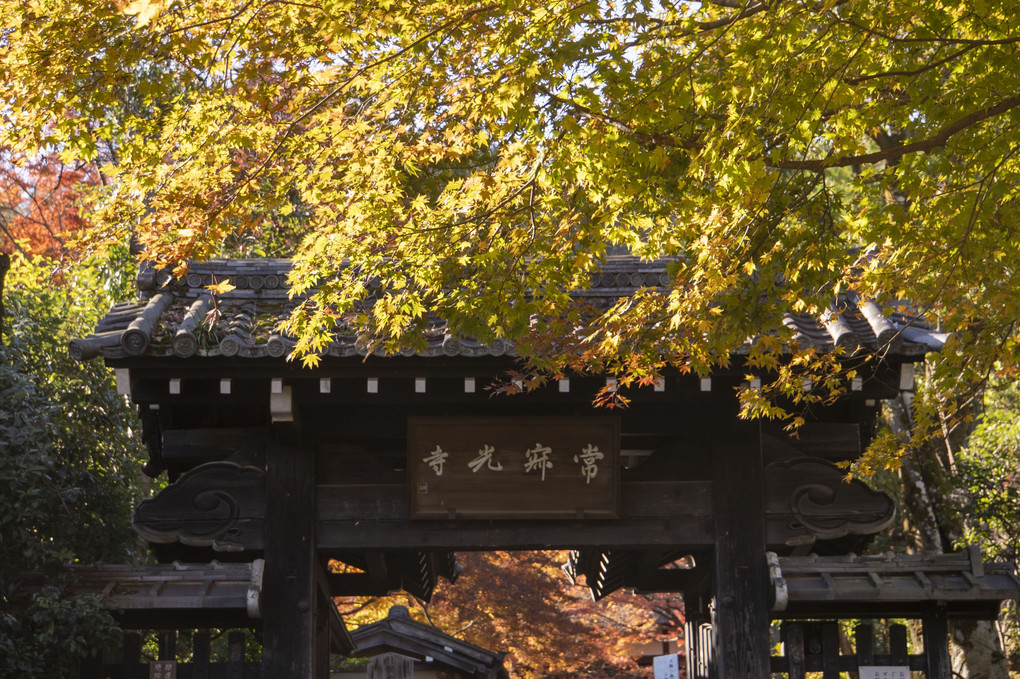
(131, 665)
(815, 647)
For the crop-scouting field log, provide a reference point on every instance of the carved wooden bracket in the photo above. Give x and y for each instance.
(218, 504)
(820, 504)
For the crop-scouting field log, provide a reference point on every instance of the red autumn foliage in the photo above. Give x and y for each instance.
(39, 203)
(521, 603)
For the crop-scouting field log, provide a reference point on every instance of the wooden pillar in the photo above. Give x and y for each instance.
(235, 655)
(741, 583)
(793, 650)
(898, 653)
(132, 656)
(290, 585)
(168, 645)
(200, 647)
(830, 650)
(935, 630)
(864, 640)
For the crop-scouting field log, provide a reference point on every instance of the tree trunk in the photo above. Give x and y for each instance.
(5, 265)
(974, 646)
(975, 650)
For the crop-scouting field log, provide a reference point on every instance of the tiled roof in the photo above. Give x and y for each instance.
(891, 585)
(398, 633)
(167, 318)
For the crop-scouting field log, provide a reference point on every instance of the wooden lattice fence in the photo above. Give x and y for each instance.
(815, 647)
(131, 665)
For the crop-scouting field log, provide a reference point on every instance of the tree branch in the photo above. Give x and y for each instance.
(937, 40)
(749, 10)
(925, 145)
(917, 71)
(644, 137)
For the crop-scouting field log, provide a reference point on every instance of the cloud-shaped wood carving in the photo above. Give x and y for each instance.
(820, 504)
(218, 504)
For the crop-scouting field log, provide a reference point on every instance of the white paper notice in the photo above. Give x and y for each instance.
(884, 672)
(666, 666)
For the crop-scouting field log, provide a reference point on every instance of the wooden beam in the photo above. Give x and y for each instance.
(661, 505)
(515, 535)
(185, 448)
(829, 440)
(805, 499)
(374, 516)
(673, 580)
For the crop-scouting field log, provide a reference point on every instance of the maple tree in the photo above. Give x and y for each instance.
(477, 161)
(39, 203)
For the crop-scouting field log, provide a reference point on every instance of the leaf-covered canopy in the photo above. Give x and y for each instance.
(478, 160)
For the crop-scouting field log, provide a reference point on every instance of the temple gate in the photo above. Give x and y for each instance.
(391, 464)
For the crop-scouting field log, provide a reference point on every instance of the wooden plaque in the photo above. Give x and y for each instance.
(514, 467)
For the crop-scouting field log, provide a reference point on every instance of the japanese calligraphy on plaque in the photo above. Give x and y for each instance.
(514, 467)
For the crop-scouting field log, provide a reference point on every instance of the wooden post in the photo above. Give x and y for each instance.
(290, 587)
(793, 650)
(235, 655)
(830, 650)
(898, 645)
(935, 631)
(742, 587)
(864, 640)
(200, 654)
(132, 659)
(168, 645)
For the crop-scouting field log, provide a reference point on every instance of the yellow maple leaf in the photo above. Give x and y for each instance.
(221, 288)
(144, 10)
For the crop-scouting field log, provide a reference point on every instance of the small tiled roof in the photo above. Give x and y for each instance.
(166, 320)
(891, 585)
(148, 595)
(398, 633)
